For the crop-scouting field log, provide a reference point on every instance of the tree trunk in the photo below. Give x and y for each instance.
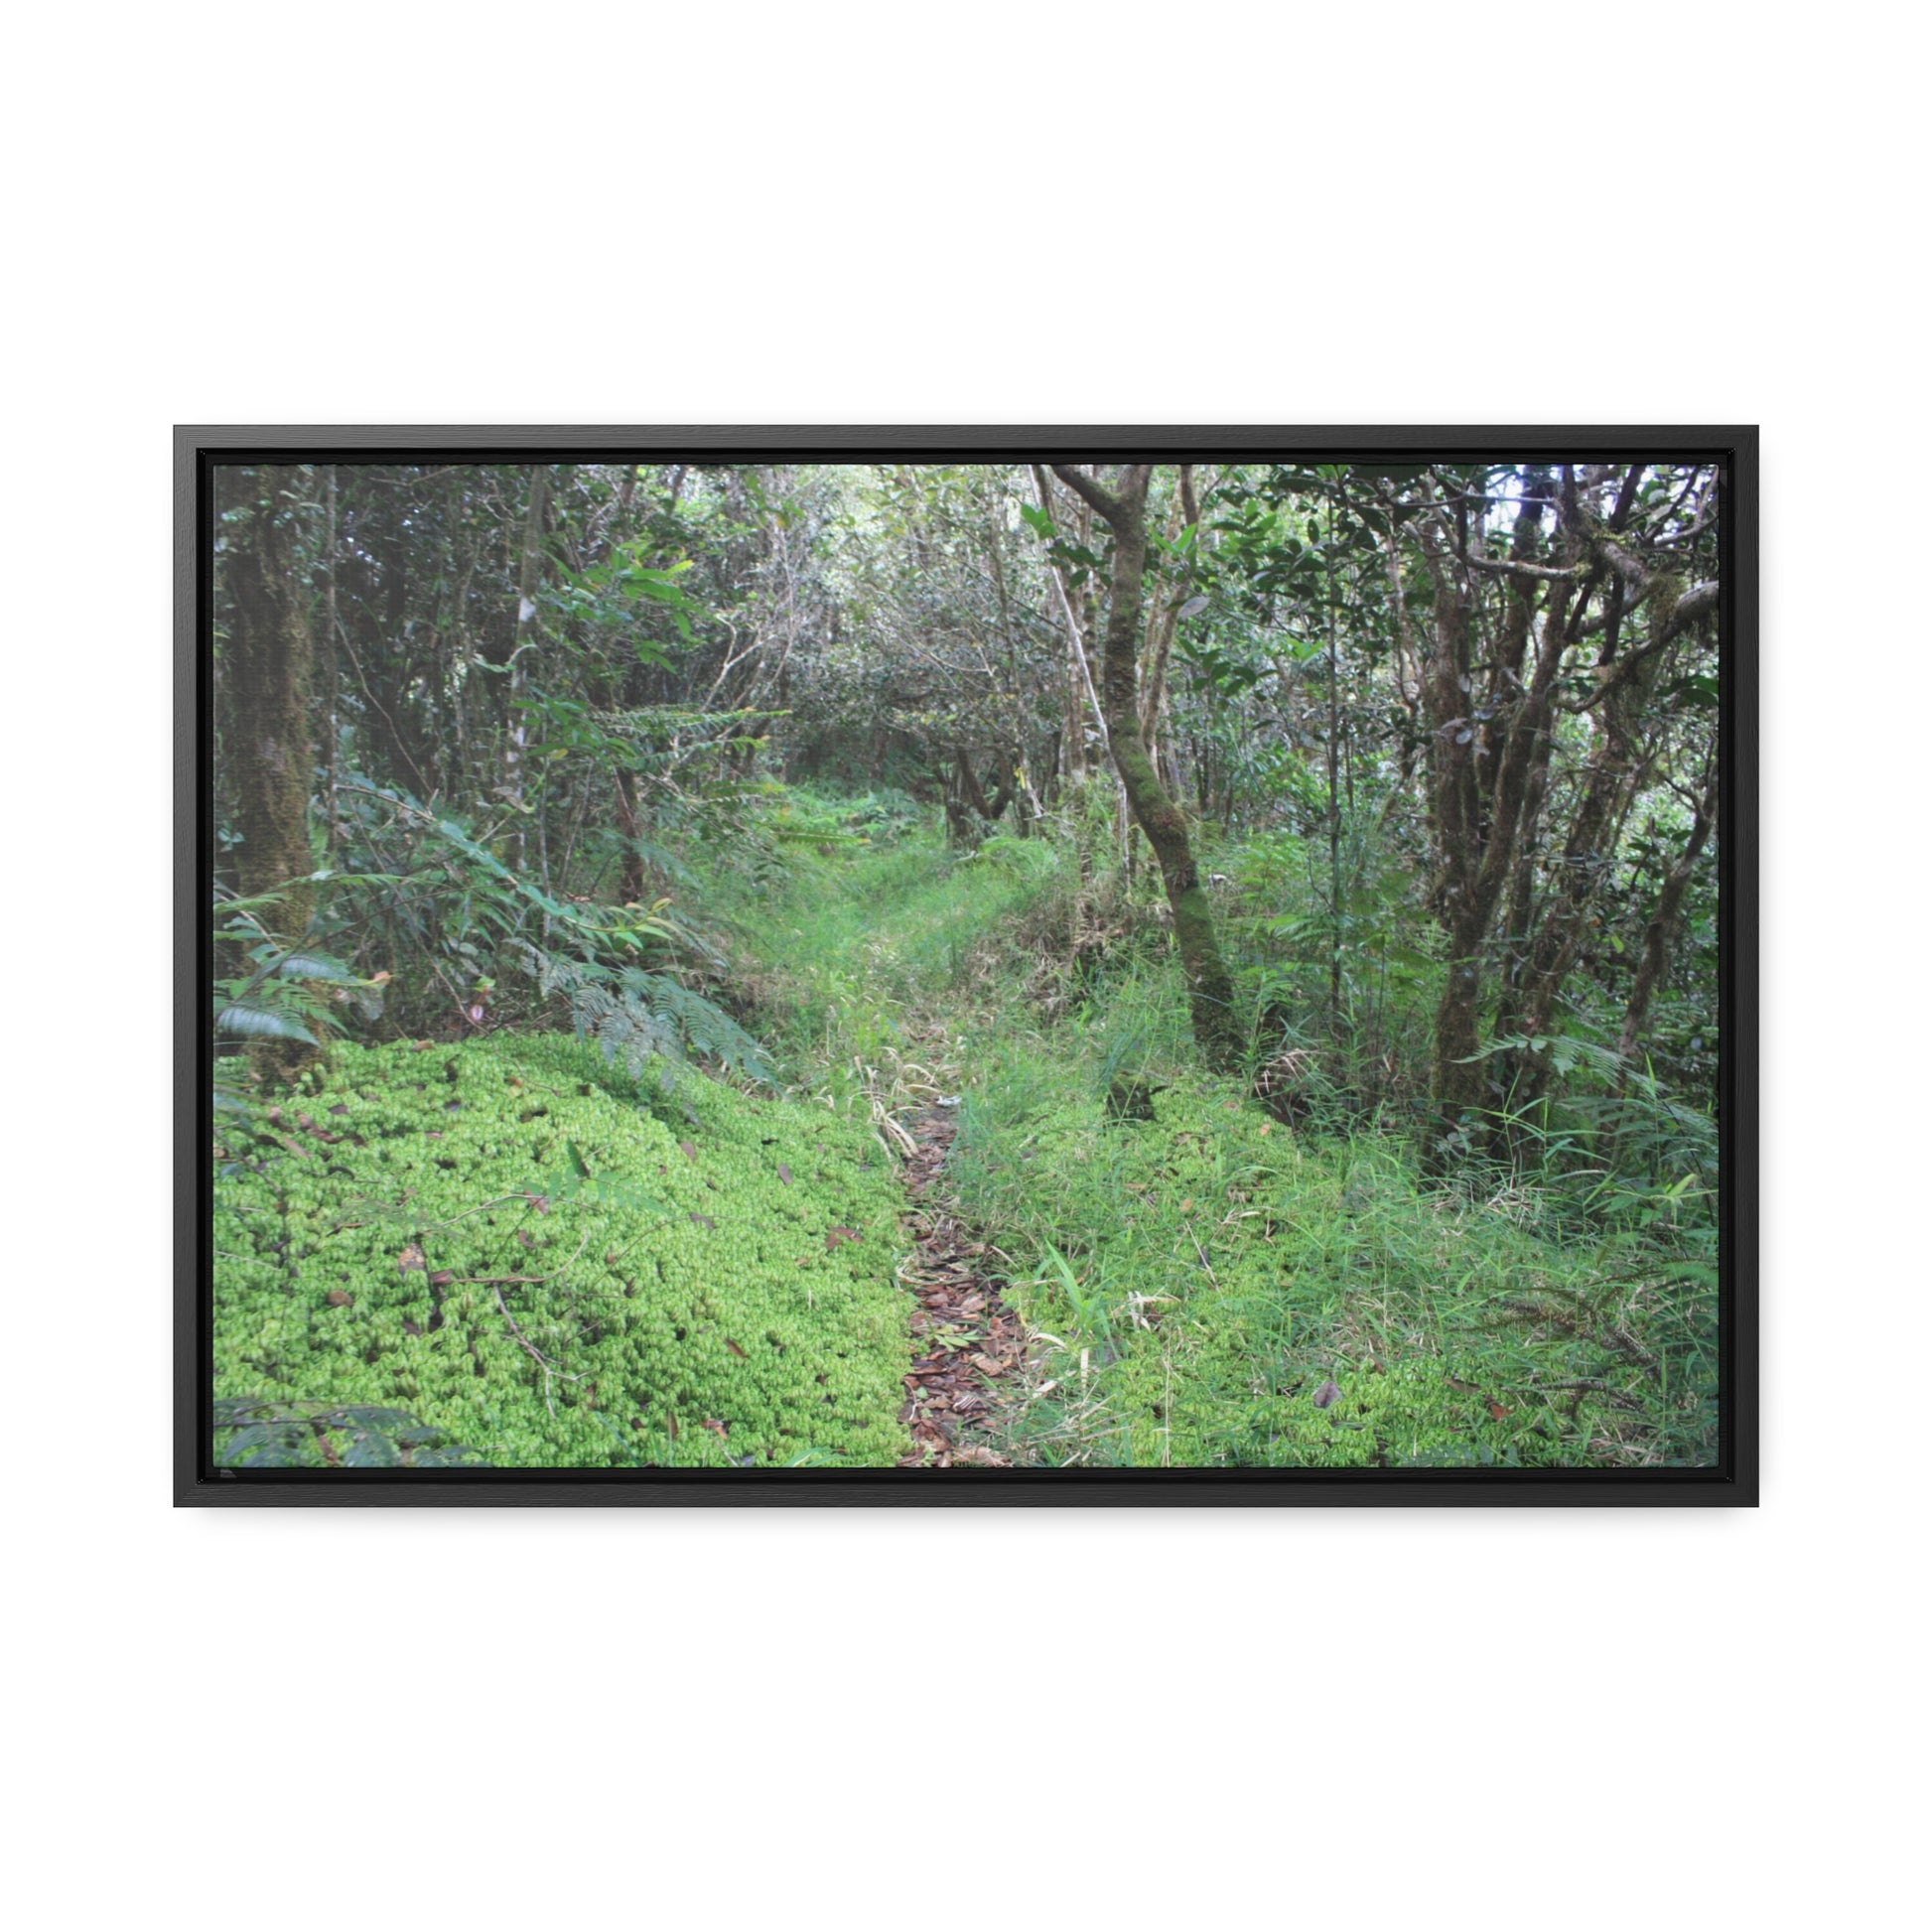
(1480, 773)
(1661, 933)
(529, 577)
(630, 868)
(270, 664)
(1185, 516)
(1211, 990)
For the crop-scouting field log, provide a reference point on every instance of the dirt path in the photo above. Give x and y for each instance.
(969, 1347)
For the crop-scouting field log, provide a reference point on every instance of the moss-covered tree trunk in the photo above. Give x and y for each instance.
(1211, 990)
(1485, 762)
(269, 662)
(269, 657)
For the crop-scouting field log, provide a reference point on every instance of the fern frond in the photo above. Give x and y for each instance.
(636, 1016)
(317, 966)
(261, 1022)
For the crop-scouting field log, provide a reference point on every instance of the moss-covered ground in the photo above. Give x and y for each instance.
(555, 1265)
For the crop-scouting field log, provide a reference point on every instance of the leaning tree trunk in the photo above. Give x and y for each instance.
(269, 666)
(1211, 990)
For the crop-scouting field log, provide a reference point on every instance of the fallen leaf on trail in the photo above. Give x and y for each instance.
(1326, 1394)
(1461, 1388)
(690, 1152)
(1268, 1127)
(442, 1278)
(734, 1349)
(339, 1298)
(411, 1257)
(833, 1236)
(338, 1109)
(784, 1173)
(1497, 1412)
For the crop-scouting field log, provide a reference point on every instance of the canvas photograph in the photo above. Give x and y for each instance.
(1025, 964)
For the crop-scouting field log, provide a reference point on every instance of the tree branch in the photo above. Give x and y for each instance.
(1103, 500)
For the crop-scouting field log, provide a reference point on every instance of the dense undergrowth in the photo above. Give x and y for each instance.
(1213, 1286)
(521, 1250)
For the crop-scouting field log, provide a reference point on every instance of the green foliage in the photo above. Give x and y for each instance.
(635, 1016)
(508, 1239)
(1201, 1280)
(281, 997)
(1030, 859)
(251, 1433)
(446, 916)
(884, 814)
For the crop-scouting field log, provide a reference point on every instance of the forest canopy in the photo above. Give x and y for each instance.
(786, 964)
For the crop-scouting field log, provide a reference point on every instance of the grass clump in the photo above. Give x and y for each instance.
(560, 1266)
(1213, 1291)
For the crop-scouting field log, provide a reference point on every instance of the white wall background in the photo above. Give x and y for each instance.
(1009, 213)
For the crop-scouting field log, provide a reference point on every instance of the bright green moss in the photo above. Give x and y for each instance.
(491, 1204)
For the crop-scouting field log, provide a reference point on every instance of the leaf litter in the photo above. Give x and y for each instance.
(966, 1342)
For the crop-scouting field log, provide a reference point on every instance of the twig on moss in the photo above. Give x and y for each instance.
(542, 1361)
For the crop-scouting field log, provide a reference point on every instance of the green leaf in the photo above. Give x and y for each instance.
(372, 1452)
(260, 1022)
(317, 966)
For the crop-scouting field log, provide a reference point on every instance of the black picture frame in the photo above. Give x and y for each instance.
(1734, 1480)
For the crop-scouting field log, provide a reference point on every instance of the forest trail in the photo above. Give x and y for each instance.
(890, 970)
(969, 1348)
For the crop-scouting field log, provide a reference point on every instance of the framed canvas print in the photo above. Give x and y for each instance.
(1026, 965)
